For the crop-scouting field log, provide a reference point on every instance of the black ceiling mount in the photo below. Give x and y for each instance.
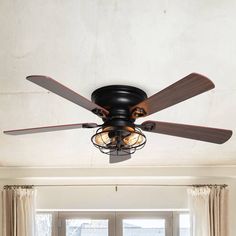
(118, 96)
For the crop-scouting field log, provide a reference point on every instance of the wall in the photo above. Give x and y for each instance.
(106, 197)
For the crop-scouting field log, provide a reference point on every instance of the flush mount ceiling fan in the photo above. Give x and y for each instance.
(120, 105)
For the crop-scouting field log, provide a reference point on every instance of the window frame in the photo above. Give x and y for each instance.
(167, 216)
(115, 218)
(63, 216)
(176, 222)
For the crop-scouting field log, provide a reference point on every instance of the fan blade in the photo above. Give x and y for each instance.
(212, 135)
(188, 87)
(121, 156)
(61, 90)
(50, 128)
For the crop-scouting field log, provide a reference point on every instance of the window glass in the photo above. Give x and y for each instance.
(184, 224)
(144, 227)
(86, 227)
(43, 224)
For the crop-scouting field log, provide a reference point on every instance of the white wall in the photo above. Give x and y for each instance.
(106, 197)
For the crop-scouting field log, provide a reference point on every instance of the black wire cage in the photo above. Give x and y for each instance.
(118, 141)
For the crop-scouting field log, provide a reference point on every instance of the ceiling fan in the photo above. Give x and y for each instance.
(120, 105)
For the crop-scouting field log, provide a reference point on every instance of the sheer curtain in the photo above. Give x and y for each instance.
(19, 211)
(208, 211)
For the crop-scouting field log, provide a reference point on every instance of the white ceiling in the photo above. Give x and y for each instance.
(87, 44)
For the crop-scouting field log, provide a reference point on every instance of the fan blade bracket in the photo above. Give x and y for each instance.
(100, 113)
(138, 112)
(148, 126)
(89, 125)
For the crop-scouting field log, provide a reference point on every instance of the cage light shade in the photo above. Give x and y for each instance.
(113, 140)
(102, 138)
(133, 138)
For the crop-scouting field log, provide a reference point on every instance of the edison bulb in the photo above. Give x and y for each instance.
(133, 139)
(102, 138)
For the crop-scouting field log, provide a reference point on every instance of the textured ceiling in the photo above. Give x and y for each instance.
(88, 44)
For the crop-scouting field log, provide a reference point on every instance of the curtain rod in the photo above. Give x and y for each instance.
(18, 186)
(116, 185)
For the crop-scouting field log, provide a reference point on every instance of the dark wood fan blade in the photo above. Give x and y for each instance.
(61, 90)
(50, 128)
(122, 155)
(212, 135)
(183, 89)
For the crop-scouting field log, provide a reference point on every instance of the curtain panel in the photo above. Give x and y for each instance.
(19, 211)
(208, 211)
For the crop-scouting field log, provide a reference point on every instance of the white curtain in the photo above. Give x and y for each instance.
(19, 211)
(208, 211)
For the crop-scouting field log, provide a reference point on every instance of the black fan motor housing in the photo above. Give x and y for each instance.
(118, 99)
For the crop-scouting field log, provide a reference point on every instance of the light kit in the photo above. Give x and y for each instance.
(118, 141)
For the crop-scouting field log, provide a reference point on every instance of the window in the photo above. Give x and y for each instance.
(143, 227)
(86, 227)
(184, 224)
(144, 223)
(113, 224)
(86, 223)
(44, 224)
